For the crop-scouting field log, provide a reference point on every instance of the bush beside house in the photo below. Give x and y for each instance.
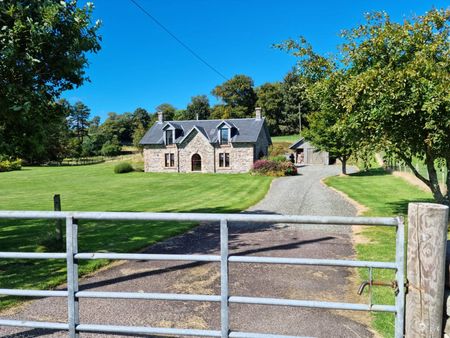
(274, 168)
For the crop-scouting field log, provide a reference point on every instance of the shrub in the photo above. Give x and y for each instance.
(288, 168)
(274, 168)
(9, 164)
(123, 167)
(278, 158)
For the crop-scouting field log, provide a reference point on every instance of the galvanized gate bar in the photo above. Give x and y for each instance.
(33, 255)
(72, 276)
(33, 293)
(224, 318)
(311, 304)
(197, 217)
(148, 257)
(235, 334)
(148, 296)
(400, 278)
(142, 330)
(72, 256)
(311, 261)
(34, 324)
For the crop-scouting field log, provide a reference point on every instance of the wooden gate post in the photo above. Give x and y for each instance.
(427, 239)
(58, 225)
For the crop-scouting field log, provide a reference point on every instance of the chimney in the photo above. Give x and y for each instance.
(196, 116)
(160, 117)
(258, 114)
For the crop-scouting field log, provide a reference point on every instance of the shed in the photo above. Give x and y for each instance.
(306, 153)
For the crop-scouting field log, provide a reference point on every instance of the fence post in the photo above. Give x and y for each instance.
(72, 276)
(58, 225)
(427, 239)
(224, 320)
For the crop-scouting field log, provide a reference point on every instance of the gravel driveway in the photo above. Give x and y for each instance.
(303, 194)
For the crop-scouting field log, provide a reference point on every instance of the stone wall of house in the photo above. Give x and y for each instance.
(241, 157)
(196, 143)
(154, 158)
(262, 145)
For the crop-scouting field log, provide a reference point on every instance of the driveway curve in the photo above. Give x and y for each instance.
(303, 194)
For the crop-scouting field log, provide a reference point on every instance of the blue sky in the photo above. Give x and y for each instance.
(140, 65)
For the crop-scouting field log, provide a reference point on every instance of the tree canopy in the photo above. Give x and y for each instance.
(43, 52)
(393, 94)
(237, 94)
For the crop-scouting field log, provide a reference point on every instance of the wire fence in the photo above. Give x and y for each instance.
(397, 165)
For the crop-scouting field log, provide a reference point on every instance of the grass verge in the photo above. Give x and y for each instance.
(97, 188)
(383, 195)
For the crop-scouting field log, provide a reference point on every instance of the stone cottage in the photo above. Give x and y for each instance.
(209, 146)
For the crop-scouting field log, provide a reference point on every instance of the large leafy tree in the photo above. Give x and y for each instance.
(43, 46)
(295, 104)
(325, 129)
(238, 96)
(398, 95)
(394, 92)
(316, 83)
(270, 99)
(168, 110)
(198, 108)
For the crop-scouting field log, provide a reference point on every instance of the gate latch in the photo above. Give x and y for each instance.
(393, 284)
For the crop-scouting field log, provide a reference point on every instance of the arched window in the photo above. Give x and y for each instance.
(196, 161)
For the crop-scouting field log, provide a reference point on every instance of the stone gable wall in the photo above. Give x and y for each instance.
(196, 143)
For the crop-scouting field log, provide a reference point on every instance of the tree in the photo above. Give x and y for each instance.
(119, 125)
(395, 90)
(295, 103)
(237, 94)
(398, 93)
(168, 110)
(270, 99)
(43, 52)
(138, 134)
(326, 130)
(198, 108)
(321, 82)
(221, 112)
(141, 117)
(78, 124)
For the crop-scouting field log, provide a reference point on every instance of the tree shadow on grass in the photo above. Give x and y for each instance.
(371, 172)
(401, 207)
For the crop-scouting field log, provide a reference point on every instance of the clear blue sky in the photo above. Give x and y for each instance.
(140, 65)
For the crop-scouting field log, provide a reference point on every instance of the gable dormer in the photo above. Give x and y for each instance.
(169, 133)
(224, 132)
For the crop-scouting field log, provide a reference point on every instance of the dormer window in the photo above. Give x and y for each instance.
(224, 135)
(169, 136)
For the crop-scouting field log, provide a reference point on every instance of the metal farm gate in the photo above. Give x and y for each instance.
(72, 256)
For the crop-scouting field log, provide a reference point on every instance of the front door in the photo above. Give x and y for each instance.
(196, 162)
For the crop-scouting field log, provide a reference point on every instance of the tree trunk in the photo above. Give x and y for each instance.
(344, 165)
(434, 182)
(447, 182)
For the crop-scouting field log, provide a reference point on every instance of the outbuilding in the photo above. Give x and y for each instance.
(306, 153)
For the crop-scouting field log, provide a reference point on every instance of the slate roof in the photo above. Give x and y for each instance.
(242, 131)
(302, 143)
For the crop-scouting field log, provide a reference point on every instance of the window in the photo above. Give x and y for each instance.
(224, 135)
(224, 160)
(169, 136)
(169, 160)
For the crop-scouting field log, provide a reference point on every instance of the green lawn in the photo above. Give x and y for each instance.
(384, 195)
(285, 138)
(97, 188)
